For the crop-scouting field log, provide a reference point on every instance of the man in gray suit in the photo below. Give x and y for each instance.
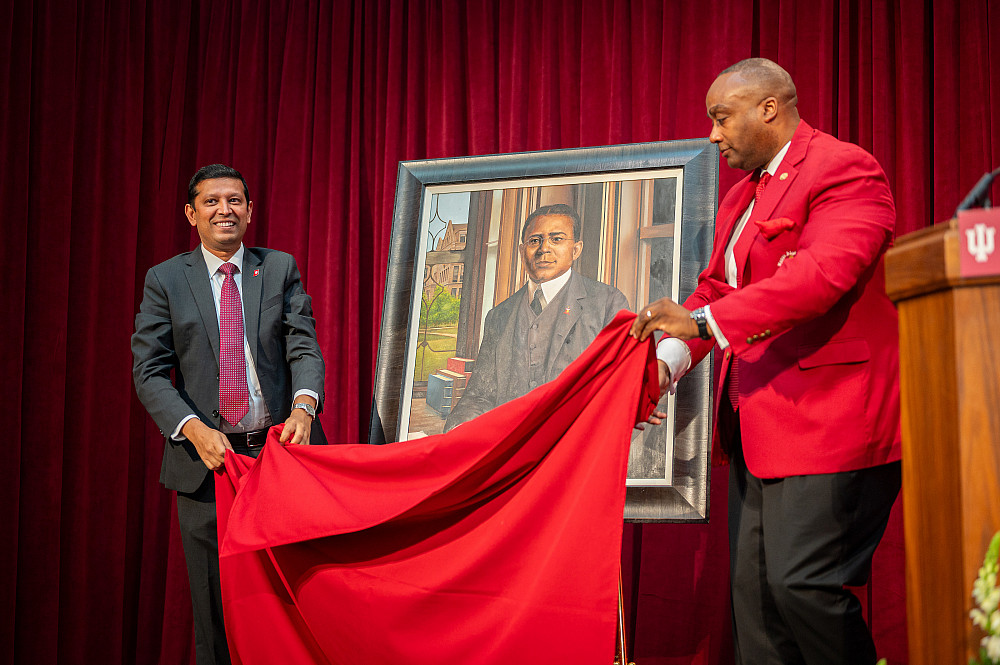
(532, 336)
(235, 327)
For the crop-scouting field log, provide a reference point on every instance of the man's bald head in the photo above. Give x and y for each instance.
(767, 78)
(752, 107)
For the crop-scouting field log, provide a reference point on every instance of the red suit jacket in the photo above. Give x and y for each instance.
(810, 325)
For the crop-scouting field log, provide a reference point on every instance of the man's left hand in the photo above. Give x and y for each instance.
(657, 417)
(665, 315)
(297, 428)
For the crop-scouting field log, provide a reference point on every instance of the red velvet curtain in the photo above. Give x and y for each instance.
(109, 107)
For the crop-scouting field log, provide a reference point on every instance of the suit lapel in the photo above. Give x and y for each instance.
(732, 218)
(773, 193)
(253, 278)
(201, 289)
(739, 206)
(572, 310)
(506, 339)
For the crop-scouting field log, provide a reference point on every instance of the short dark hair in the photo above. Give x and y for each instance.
(555, 209)
(211, 172)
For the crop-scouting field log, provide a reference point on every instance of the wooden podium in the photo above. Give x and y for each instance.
(949, 329)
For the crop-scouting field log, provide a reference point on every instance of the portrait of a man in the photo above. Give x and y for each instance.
(533, 335)
(507, 267)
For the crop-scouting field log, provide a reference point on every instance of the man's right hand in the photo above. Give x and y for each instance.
(211, 444)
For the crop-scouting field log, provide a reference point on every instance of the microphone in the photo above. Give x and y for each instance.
(978, 195)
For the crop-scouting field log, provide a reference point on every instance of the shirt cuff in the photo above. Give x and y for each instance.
(176, 434)
(720, 339)
(677, 357)
(308, 393)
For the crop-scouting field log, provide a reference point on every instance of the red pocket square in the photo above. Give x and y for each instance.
(770, 228)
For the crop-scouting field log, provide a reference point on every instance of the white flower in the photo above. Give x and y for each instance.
(991, 600)
(987, 596)
(978, 618)
(992, 646)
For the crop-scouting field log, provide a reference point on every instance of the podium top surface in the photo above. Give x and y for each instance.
(929, 260)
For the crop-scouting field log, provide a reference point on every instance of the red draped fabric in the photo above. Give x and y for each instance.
(495, 543)
(110, 105)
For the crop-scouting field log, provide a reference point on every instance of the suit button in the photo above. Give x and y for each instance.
(767, 333)
(215, 413)
(749, 340)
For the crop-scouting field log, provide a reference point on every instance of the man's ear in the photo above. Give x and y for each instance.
(769, 109)
(189, 213)
(577, 249)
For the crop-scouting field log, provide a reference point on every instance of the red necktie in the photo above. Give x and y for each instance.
(734, 376)
(765, 177)
(234, 398)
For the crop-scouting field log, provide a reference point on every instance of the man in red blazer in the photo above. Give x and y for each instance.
(808, 404)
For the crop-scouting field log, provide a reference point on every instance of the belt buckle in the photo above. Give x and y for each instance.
(260, 435)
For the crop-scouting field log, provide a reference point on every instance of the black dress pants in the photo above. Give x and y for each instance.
(794, 544)
(199, 535)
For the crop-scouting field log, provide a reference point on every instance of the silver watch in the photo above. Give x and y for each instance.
(702, 320)
(308, 408)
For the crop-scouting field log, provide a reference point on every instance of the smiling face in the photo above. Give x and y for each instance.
(548, 249)
(741, 115)
(221, 214)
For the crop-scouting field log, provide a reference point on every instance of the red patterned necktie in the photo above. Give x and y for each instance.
(234, 398)
(734, 375)
(765, 178)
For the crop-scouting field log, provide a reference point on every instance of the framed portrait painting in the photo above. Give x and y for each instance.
(636, 223)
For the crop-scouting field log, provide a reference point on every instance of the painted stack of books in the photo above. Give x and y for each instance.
(445, 386)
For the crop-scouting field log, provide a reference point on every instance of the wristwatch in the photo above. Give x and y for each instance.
(699, 317)
(308, 408)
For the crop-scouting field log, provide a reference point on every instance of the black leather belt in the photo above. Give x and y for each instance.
(243, 441)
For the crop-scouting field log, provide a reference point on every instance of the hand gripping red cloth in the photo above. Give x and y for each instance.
(497, 542)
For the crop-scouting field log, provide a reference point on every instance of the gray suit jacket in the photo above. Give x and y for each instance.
(177, 330)
(591, 305)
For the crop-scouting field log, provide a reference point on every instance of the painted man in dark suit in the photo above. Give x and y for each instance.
(186, 301)
(532, 336)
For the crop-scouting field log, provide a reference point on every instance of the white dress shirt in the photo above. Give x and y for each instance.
(674, 352)
(257, 416)
(551, 288)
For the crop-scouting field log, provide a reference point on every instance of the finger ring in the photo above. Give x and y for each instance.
(649, 314)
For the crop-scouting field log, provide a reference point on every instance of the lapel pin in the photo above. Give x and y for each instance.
(566, 311)
(256, 272)
(783, 176)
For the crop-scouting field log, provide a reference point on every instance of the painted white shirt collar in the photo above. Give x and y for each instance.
(551, 288)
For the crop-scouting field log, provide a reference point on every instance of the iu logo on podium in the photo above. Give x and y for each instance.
(979, 230)
(981, 243)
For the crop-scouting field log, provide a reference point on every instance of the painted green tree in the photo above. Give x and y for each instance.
(438, 327)
(440, 310)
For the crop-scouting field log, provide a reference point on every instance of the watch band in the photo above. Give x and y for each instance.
(308, 408)
(699, 317)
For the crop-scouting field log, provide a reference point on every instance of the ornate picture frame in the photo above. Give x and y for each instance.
(647, 214)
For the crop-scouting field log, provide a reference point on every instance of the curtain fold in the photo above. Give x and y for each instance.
(111, 105)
